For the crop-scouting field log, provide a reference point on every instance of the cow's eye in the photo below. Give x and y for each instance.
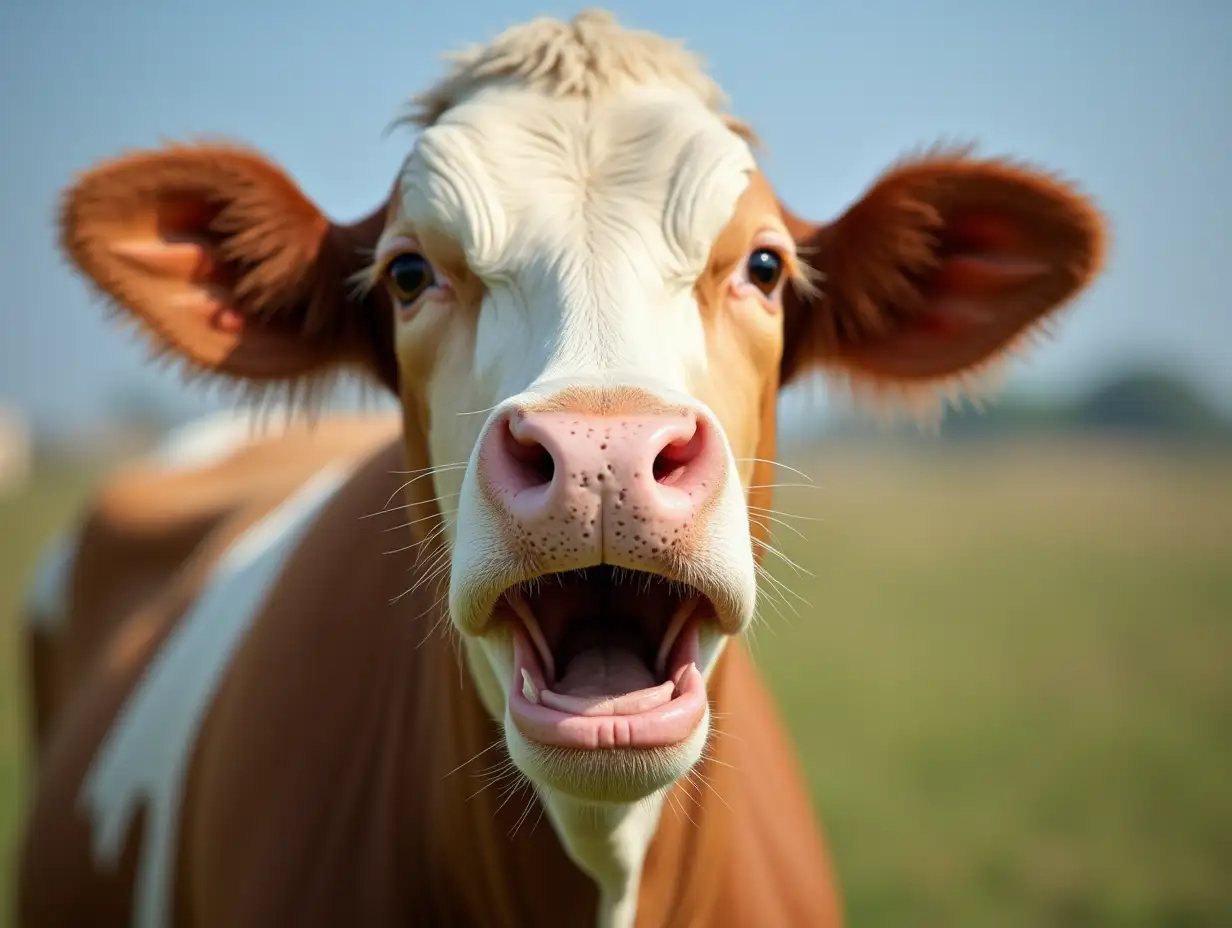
(765, 269)
(409, 276)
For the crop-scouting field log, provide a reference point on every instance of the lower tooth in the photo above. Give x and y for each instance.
(673, 631)
(528, 687)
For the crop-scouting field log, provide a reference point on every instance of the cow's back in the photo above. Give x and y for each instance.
(109, 592)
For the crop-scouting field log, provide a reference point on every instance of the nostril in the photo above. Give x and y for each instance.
(531, 461)
(671, 464)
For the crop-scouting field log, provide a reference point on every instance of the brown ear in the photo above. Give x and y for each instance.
(940, 268)
(225, 263)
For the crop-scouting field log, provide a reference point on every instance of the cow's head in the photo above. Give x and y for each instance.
(587, 297)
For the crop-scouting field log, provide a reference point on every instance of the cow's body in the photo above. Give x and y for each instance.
(342, 769)
(585, 294)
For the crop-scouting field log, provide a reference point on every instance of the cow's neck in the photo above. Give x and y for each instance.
(609, 843)
(648, 867)
(657, 862)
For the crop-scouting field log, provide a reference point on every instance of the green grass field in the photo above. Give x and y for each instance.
(27, 522)
(1009, 677)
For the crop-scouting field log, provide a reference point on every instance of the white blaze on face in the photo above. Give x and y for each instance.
(588, 223)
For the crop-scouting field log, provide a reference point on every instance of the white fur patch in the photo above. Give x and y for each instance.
(589, 222)
(210, 439)
(47, 600)
(609, 843)
(197, 443)
(146, 754)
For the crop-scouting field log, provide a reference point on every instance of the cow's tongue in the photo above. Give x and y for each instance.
(607, 681)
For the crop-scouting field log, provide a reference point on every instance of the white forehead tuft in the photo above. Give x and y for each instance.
(511, 175)
(586, 172)
(549, 116)
(588, 57)
(589, 223)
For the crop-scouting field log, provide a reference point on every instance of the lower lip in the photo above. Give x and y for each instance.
(664, 726)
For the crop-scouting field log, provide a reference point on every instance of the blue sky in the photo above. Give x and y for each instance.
(1128, 97)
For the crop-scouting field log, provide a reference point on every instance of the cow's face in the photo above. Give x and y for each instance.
(589, 313)
(586, 296)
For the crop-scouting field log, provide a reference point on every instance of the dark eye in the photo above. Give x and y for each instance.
(410, 275)
(765, 269)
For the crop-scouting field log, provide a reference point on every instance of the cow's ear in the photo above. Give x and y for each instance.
(942, 266)
(224, 262)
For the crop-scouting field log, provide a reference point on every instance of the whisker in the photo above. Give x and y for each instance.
(499, 774)
(724, 733)
(476, 412)
(426, 473)
(502, 779)
(509, 792)
(771, 549)
(435, 515)
(404, 593)
(441, 620)
(717, 795)
(785, 515)
(425, 502)
(443, 551)
(530, 804)
(426, 543)
(494, 744)
(778, 464)
(435, 532)
(538, 819)
(768, 597)
(431, 467)
(434, 571)
(776, 583)
(785, 486)
(782, 588)
(684, 811)
(791, 528)
(675, 811)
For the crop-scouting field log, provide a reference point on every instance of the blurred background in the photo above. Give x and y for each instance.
(1007, 657)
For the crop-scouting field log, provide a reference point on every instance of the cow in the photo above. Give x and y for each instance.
(534, 706)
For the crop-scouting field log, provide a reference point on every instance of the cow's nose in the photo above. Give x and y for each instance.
(623, 489)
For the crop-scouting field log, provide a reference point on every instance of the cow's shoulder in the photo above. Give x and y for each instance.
(166, 556)
(742, 826)
(148, 520)
(777, 870)
(348, 773)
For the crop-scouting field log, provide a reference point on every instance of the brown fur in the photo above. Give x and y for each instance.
(322, 789)
(145, 523)
(193, 233)
(146, 548)
(938, 232)
(348, 790)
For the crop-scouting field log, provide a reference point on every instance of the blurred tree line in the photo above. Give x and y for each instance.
(1138, 403)
(1143, 404)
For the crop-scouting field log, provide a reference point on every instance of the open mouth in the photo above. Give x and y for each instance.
(606, 658)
